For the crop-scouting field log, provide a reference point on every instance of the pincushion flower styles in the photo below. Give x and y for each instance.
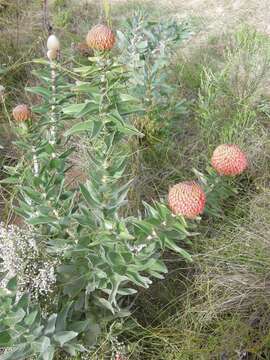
(187, 199)
(229, 159)
(100, 37)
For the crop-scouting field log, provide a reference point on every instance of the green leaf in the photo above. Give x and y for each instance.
(172, 246)
(30, 319)
(159, 266)
(139, 280)
(79, 326)
(90, 197)
(63, 337)
(98, 125)
(79, 128)
(73, 349)
(153, 212)
(92, 334)
(12, 284)
(40, 91)
(91, 126)
(4, 338)
(62, 317)
(126, 291)
(127, 97)
(39, 220)
(142, 45)
(15, 318)
(10, 180)
(105, 303)
(50, 328)
(122, 126)
(49, 354)
(80, 110)
(115, 258)
(19, 353)
(73, 109)
(46, 342)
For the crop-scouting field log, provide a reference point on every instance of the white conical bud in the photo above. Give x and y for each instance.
(52, 54)
(2, 90)
(53, 43)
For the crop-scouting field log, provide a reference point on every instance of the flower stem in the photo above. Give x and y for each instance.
(53, 114)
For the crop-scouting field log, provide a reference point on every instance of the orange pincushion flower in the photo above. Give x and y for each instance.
(187, 198)
(21, 113)
(100, 37)
(229, 159)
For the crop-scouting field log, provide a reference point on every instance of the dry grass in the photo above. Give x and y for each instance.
(218, 16)
(221, 312)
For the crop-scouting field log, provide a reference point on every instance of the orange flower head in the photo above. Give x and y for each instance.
(100, 37)
(187, 198)
(21, 113)
(229, 159)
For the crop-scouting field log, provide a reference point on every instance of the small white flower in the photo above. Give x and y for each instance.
(21, 256)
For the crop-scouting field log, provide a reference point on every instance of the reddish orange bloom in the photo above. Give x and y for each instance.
(187, 198)
(100, 37)
(21, 113)
(229, 159)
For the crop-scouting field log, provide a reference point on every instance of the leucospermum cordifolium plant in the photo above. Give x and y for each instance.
(100, 257)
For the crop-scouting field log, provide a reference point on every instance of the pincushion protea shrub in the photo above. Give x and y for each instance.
(102, 256)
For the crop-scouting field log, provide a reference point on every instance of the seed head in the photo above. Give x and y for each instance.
(100, 37)
(187, 199)
(21, 113)
(229, 159)
(53, 43)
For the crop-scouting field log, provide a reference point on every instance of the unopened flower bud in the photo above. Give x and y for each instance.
(21, 113)
(2, 90)
(52, 54)
(53, 43)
